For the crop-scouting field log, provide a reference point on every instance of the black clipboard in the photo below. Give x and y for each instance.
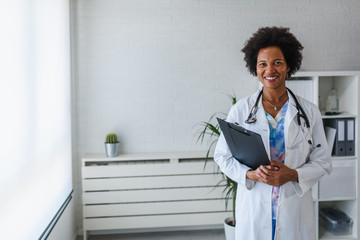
(246, 146)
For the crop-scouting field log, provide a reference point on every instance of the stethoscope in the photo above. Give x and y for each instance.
(301, 114)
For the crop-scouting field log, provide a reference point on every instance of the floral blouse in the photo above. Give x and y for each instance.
(277, 148)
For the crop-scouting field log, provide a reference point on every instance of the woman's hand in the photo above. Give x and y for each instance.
(275, 174)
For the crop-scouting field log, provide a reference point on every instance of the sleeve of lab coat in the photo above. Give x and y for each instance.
(318, 162)
(229, 165)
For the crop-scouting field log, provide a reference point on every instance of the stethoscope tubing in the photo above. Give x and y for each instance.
(301, 113)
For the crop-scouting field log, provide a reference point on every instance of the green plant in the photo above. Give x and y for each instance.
(111, 137)
(211, 131)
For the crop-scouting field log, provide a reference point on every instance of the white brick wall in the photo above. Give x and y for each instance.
(151, 69)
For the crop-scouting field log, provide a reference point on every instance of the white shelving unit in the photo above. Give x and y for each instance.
(341, 188)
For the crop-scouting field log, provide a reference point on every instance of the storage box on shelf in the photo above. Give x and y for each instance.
(143, 192)
(346, 206)
(340, 189)
(335, 221)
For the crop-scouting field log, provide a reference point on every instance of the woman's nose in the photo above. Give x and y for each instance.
(270, 68)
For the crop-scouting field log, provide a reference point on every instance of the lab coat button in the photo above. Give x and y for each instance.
(281, 205)
(279, 229)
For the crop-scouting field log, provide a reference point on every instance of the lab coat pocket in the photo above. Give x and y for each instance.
(295, 138)
(298, 149)
(302, 147)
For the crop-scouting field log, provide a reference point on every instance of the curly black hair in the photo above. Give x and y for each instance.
(273, 36)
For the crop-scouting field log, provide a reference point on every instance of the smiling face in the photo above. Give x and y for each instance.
(271, 68)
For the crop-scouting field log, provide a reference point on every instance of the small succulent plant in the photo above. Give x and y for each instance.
(111, 137)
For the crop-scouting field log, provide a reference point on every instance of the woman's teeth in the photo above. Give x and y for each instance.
(270, 78)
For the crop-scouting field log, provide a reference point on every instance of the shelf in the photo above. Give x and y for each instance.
(144, 156)
(325, 235)
(336, 199)
(343, 158)
(326, 73)
(342, 115)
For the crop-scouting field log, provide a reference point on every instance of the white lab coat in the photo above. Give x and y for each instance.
(295, 217)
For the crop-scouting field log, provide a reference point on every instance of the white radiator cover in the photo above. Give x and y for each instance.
(152, 190)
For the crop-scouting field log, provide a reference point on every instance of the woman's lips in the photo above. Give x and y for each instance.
(270, 78)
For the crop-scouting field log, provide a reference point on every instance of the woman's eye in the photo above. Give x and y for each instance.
(262, 64)
(278, 63)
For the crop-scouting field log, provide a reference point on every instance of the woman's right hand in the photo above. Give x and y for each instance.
(254, 174)
(275, 174)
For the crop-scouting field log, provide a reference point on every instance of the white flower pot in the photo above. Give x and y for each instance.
(229, 229)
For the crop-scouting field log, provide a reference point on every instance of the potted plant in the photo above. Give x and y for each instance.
(111, 145)
(212, 132)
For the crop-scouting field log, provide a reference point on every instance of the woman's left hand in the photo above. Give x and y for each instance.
(277, 175)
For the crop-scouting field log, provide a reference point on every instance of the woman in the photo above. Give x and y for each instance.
(275, 201)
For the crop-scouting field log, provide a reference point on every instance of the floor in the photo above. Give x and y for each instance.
(217, 234)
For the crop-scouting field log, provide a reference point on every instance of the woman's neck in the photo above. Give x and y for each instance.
(274, 95)
(274, 100)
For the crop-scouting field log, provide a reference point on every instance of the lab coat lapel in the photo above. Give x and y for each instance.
(289, 117)
(263, 127)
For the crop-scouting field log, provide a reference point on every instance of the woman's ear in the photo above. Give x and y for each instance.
(287, 74)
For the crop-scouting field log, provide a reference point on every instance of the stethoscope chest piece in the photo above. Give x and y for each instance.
(252, 115)
(250, 120)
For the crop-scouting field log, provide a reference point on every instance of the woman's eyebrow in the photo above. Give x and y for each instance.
(277, 59)
(272, 60)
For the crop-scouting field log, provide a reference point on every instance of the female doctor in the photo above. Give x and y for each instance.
(275, 201)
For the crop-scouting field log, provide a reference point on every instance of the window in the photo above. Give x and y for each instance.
(35, 127)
